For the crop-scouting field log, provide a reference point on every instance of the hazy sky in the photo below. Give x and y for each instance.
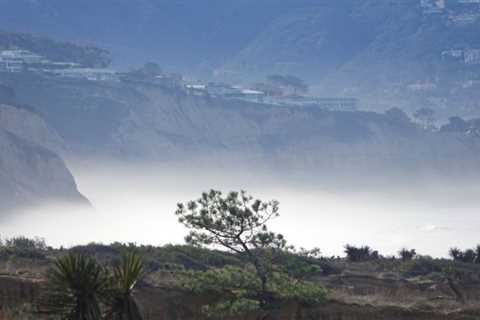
(137, 204)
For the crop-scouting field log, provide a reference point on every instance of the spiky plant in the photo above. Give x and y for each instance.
(121, 304)
(76, 284)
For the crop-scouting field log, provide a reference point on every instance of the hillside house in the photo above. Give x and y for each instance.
(170, 80)
(252, 94)
(453, 53)
(221, 89)
(422, 86)
(196, 89)
(471, 84)
(432, 6)
(91, 74)
(463, 19)
(11, 65)
(24, 56)
(332, 104)
(337, 104)
(20, 60)
(472, 56)
(247, 95)
(269, 89)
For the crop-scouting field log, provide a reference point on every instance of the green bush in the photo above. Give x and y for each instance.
(421, 266)
(237, 289)
(406, 254)
(360, 254)
(24, 247)
(467, 256)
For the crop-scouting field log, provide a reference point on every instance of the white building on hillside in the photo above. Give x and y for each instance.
(11, 65)
(453, 53)
(23, 55)
(472, 56)
(91, 74)
(432, 6)
(422, 86)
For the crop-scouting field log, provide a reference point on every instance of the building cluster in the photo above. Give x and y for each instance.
(457, 12)
(467, 56)
(463, 18)
(421, 86)
(432, 6)
(332, 104)
(19, 60)
(472, 56)
(226, 91)
(16, 60)
(270, 97)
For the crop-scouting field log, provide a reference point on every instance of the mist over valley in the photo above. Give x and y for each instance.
(247, 159)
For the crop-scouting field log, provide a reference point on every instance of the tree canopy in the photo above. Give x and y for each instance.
(237, 222)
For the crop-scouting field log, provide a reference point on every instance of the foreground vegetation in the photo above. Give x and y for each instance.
(231, 257)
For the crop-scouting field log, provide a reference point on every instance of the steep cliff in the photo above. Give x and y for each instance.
(133, 121)
(30, 170)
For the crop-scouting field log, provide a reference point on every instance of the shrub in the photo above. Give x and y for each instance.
(467, 256)
(421, 266)
(359, 254)
(455, 253)
(24, 243)
(330, 267)
(25, 247)
(237, 289)
(406, 254)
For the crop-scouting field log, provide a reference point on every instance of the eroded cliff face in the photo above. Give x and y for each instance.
(138, 121)
(30, 127)
(283, 139)
(31, 172)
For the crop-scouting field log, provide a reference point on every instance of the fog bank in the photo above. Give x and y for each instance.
(136, 203)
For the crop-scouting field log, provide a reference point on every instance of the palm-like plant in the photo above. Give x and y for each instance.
(121, 304)
(76, 284)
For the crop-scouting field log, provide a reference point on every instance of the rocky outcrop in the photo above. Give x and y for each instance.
(30, 170)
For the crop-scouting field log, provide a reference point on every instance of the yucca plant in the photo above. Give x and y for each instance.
(76, 285)
(121, 304)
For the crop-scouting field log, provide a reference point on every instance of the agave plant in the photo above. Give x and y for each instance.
(76, 285)
(121, 304)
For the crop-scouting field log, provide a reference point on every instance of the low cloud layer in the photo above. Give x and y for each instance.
(136, 203)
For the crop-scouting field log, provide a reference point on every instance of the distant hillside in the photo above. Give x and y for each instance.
(136, 121)
(387, 53)
(181, 34)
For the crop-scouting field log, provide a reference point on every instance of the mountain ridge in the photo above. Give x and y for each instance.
(374, 50)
